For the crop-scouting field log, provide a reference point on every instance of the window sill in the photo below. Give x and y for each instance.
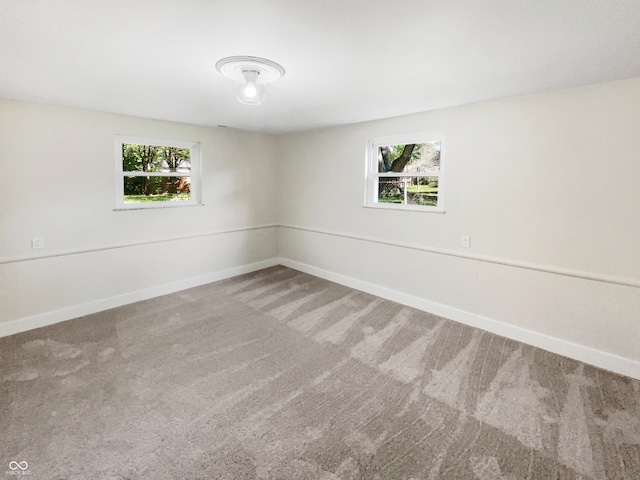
(406, 208)
(155, 207)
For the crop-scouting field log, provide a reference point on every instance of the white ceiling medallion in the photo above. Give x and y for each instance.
(250, 73)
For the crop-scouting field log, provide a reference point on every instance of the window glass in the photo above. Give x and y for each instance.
(155, 173)
(405, 172)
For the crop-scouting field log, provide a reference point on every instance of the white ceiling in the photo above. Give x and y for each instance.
(346, 60)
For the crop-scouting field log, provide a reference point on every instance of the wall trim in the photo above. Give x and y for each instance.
(48, 318)
(566, 272)
(591, 356)
(100, 248)
(628, 282)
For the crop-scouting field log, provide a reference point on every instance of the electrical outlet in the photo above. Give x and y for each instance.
(37, 242)
(465, 241)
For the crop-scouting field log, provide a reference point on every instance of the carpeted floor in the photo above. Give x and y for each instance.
(281, 375)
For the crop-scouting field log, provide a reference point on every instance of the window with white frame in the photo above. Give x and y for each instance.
(405, 172)
(156, 173)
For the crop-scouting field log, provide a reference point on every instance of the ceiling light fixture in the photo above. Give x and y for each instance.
(250, 73)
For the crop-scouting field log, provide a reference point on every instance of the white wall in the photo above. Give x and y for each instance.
(57, 182)
(547, 187)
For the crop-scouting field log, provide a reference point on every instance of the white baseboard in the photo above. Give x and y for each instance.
(42, 320)
(591, 356)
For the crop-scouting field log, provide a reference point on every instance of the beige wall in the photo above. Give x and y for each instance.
(546, 186)
(58, 179)
(543, 184)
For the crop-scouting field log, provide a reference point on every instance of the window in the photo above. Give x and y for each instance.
(156, 173)
(405, 172)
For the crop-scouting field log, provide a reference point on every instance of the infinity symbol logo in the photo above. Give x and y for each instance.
(13, 465)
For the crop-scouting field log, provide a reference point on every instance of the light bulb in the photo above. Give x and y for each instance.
(251, 91)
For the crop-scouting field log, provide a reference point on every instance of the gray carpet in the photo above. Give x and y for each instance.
(281, 375)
